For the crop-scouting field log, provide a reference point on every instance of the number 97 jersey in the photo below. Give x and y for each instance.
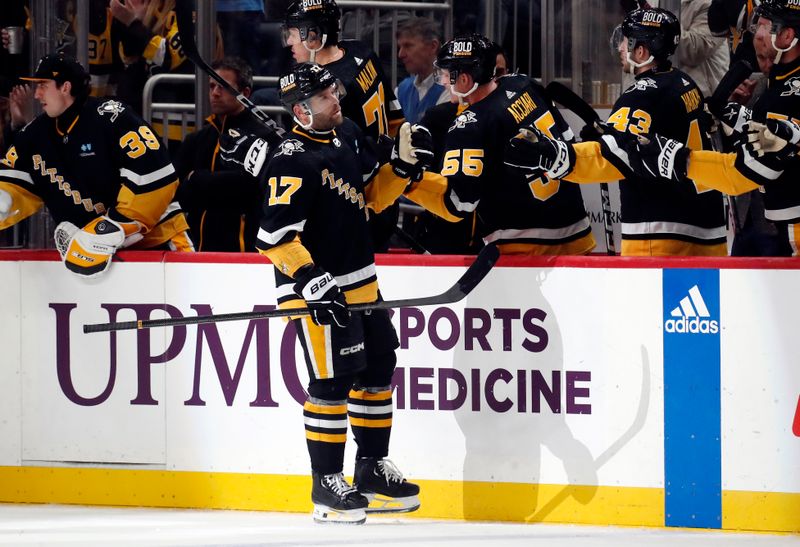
(370, 100)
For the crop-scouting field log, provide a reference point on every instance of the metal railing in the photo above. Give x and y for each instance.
(186, 110)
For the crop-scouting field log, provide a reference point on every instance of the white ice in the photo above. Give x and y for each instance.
(93, 526)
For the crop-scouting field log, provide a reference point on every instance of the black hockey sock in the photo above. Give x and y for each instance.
(370, 412)
(326, 433)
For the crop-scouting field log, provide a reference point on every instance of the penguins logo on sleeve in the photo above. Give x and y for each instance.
(289, 147)
(113, 108)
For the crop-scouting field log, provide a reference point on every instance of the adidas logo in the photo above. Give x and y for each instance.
(510, 94)
(685, 82)
(358, 60)
(691, 316)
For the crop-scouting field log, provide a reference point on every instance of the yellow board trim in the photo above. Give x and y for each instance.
(765, 511)
(627, 506)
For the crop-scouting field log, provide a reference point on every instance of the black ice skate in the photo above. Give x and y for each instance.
(384, 486)
(335, 501)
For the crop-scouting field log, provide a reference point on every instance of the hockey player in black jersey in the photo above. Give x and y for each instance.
(322, 185)
(94, 164)
(765, 158)
(311, 30)
(657, 220)
(523, 214)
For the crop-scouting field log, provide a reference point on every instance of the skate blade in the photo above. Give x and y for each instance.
(326, 515)
(379, 503)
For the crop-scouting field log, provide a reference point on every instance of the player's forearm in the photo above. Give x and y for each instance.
(288, 257)
(590, 165)
(718, 171)
(23, 204)
(430, 194)
(384, 189)
(148, 207)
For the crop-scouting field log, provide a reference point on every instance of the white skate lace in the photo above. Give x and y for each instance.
(390, 471)
(337, 483)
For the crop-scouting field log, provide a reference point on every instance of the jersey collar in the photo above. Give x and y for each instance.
(781, 71)
(316, 136)
(67, 120)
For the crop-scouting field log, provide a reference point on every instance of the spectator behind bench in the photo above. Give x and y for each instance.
(221, 200)
(418, 41)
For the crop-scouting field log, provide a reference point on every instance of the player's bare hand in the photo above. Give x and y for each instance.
(743, 92)
(6, 39)
(20, 105)
(129, 11)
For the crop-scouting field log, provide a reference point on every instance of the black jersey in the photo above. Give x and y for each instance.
(669, 103)
(223, 205)
(370, 100)
(781, 100)
(97, 156)
(316, 193)
(513, 210)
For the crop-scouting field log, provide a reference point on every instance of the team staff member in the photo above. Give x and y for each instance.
(323, 183)
(311, 30)
(659, 220)
(221, 200)
(523, 214)
(94, 164)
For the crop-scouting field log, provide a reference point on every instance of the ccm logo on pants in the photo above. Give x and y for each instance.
(351, 349)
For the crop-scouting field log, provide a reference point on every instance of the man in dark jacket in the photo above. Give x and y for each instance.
(221, 198)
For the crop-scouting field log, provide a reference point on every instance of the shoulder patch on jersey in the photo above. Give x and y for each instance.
(792, 86)
(462, 120)
(289, 147)
(642, 84)
(359, 61)
(113, 108)
(686, 83)
(510, 94)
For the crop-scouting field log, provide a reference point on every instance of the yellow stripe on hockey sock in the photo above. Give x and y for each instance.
(366, 422)
(325, 409)
(367, 396)
(326, 437)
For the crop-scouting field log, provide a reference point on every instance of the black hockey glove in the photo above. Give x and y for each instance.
(532, 150)
(242, 152)
(322, 295)
(659, 158)
(412, 152)
(734, 117)
(592, 131)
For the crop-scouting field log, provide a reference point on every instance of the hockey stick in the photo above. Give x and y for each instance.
(738, 73)
(474, 275)
(184, 14)
(567, 98)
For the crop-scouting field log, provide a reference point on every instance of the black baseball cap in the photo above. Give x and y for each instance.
(61, 69)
